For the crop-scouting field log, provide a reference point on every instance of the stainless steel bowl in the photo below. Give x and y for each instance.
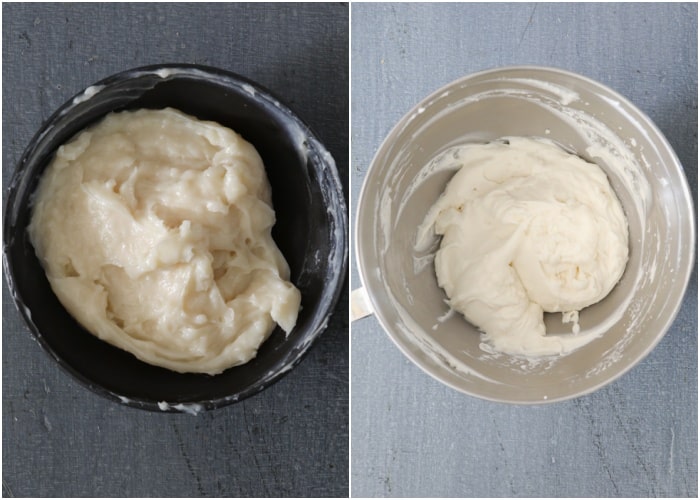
(583, 116)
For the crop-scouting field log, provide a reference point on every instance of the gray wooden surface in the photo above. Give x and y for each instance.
(59, 439)
(412, 436)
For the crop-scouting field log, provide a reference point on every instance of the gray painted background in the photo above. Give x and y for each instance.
(59, 439)
(412, 436)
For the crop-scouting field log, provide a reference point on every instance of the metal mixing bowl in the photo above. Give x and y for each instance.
(582, 116)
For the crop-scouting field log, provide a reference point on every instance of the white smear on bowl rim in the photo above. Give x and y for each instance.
(87, 93)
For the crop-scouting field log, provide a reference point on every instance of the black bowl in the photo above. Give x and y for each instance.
(310, 231)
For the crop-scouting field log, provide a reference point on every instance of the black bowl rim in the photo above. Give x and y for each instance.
(338, 219)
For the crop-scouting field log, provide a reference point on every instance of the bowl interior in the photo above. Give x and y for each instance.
(309, 231)
(576, 113)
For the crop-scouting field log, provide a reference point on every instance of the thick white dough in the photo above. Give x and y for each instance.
(527, 227)
(153, 228)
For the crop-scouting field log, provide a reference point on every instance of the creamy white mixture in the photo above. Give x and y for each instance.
(154, 231)
(526, 228)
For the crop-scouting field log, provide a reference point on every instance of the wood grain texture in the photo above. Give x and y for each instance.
(412, 436)
(60, 439)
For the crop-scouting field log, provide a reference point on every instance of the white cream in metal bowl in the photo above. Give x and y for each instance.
(583, 117)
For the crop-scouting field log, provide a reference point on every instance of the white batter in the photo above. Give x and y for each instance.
(154, 231)
(527, 227)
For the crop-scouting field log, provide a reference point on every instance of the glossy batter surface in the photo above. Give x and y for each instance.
(154, 231)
